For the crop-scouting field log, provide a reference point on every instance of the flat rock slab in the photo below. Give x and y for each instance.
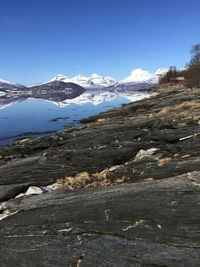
(154, 223)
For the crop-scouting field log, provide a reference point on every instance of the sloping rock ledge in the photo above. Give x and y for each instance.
(131, 189)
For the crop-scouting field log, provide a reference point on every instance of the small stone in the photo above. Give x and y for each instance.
(32, 190)
(145, 153)
(185, 156)
(149, 179)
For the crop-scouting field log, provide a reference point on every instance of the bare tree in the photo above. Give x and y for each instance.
(195, 54)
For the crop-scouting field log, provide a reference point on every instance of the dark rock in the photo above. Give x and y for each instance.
(147, 224)
(9, 191)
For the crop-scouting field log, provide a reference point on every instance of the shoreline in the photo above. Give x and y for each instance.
(132, 130)
(37, 134)
(128, 178)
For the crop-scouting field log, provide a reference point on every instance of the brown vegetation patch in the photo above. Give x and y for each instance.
(188, 105)
(164, 161)
(86, 180)
(196, 117)
(183, 106)
(164, 111)
(101, 120)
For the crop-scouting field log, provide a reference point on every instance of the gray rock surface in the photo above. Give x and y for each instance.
(152, 223)
(146, 212)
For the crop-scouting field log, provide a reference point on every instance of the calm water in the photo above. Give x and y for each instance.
(37, 115)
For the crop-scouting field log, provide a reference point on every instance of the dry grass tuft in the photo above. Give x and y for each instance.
(164, 161)
(196, 117)
(184, 106)
(21, 141)
(76, 182)
(86, 180)
(189, 105)
(164, 111)
(101, 120)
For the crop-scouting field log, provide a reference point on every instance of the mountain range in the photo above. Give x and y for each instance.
(138, 79)
(95, 81)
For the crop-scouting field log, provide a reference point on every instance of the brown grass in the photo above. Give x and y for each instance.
(101, 120)
(164, 161)
(86, 180)
(164, 111)
(76, 182)
(188, 105)
(196, 117)
(184, 106)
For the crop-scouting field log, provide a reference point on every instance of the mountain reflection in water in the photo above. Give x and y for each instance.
(25, 117)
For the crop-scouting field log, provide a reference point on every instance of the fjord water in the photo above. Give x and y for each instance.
(38, 117)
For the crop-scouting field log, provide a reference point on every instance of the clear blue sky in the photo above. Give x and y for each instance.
(41, 38)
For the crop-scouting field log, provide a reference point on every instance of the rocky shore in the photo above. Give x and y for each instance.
(123, 189)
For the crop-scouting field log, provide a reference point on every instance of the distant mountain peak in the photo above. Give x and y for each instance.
(3, 81)
(138, 77)
(161, 71)
(94, 75)
(59, 77)
(141, 76)
(94, 81)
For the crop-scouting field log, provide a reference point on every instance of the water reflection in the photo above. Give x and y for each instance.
(22, 116)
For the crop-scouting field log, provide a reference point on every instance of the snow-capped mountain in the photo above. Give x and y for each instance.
(92, 82)
(137, 80)
(6, 87)
(161, 71)
(3, 81)
(143, 76)
(139, 77)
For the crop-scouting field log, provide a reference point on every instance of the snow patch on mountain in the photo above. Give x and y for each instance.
(3, 81)
(138, 75)
(143, 76)
(94, 81)
(161, 71)
(97, 82)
